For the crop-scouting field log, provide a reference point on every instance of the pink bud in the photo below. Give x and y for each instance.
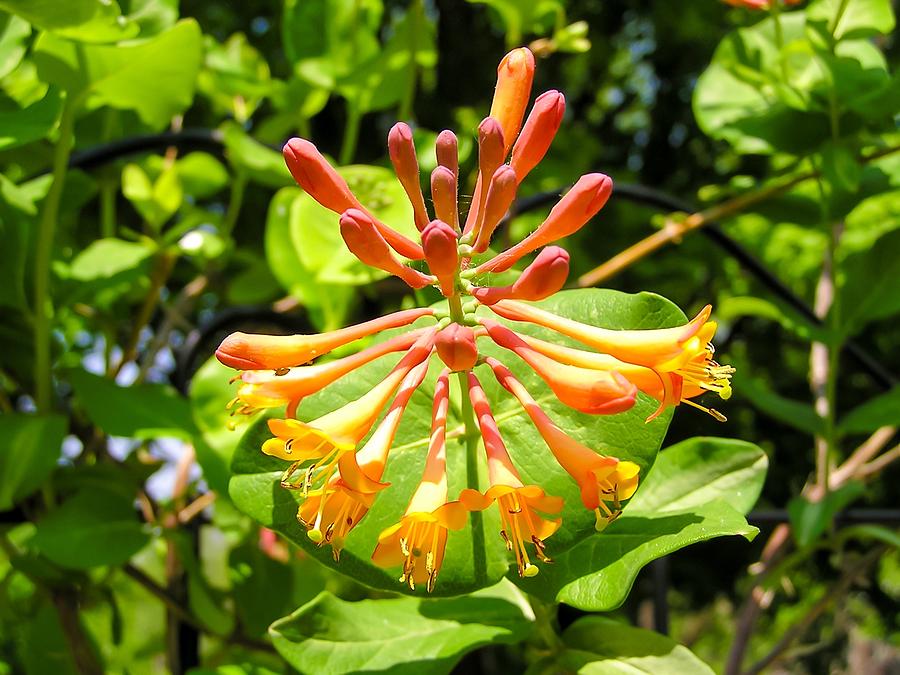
(445, 149)
(456, 347)
(317, 177)
(403, 156)
(439, 242)
(443, 194)
(366, 243)
(500, 195)
(578, 206)
(537, 134)
(545, 276)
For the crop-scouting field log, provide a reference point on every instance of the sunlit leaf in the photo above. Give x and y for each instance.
(30, 446)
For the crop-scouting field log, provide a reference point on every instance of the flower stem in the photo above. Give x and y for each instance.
(43, 304)
(479, 556)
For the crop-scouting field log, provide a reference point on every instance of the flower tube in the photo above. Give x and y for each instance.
(418, 540)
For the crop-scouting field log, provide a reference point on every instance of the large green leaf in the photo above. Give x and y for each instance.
(31, 123)
(87, 20)
(856, 19)
(473, 559)
(154, 77)
(140, 411)
(95, 527)
(29, 449)
(698, 489)
(405, 636)
(596, 645)
(14, 32)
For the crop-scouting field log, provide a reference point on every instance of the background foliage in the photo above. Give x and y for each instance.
(145, 212)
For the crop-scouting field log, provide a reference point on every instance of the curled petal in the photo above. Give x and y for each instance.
(366, 243)
(456, 347)
(440, 245)
(541, 126)
(589, 391)
(545, 276)
(403, 156)
(577, 207)
(245, 351)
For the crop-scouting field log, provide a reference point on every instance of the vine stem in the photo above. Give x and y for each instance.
(43, 304)
(471, 434)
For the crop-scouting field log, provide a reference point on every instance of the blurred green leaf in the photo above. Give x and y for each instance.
(201, 175)
(120, 76)
(735, 307)
(95, 527)
(521, 17)
(477, 559)
(140, 411)
(31, 123)
(867, 284)
(847, 20)
(596, 645)
(697, 490)
(404, 636)
(153, 16)
(156, 201)
(235, 76)
(880, 411)
(259, 162)
(809, 520)
(798, 414)
(29, 450)
(255, 575)
(14, 32)
(105, 258)
(85, 20)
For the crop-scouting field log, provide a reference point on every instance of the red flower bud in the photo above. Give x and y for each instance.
(542, 278)
(439, 242)
(456, 347)
(445, 149)
(537, 134)
(317, 177)
(367, 244)
(443, 194)
(403, 156)
(491, 153)
(577, 206)
(500, 195)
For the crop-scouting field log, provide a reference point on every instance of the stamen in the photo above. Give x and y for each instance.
(282, 371)
(715, 414)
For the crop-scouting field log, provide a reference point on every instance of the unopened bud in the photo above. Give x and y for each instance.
(456, 347)
(545, 276)
(500, 195)
(446, 151)
(403, 156)
(440, 245)
(366, 243)
(443, 194)
(317, 177)
(514, 76)
(537, 134)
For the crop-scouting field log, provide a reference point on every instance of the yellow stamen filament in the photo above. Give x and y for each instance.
(517, 524)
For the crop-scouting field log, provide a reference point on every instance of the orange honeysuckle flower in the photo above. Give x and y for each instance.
(519, 504)
(335, 433)
(499, 197)
(491, 153)
(576, 208)
(440, 245)
(268, 389)
(514, 77)
(600, 478)
(546, 275)
(245, 351)
(446, 151)
(363, 239)
(684, 350)
(588, 391)
(418, 541)
(759, 4)
(350, 489)
(446, 207)
(321, 182)
(456, 347)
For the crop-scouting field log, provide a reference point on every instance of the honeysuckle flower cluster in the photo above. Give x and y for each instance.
(337, 461)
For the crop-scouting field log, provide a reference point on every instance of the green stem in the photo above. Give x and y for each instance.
(775, 9)
(351, 133)
(235, 200)
(545, 623)
(472, 436)
(43, 304)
